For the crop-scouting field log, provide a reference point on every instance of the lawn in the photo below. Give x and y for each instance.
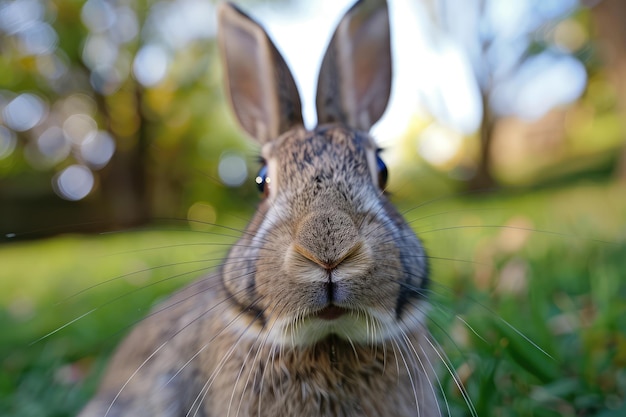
(528, 302)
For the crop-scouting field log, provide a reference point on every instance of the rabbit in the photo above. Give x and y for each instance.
(319, 309)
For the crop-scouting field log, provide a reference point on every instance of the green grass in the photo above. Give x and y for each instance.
(532, 315)
(100, 286)
(545, 298)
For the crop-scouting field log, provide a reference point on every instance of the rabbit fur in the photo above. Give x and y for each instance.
(318, 309)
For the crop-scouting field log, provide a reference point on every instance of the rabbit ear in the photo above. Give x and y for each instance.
(355, 79)
(261, 88)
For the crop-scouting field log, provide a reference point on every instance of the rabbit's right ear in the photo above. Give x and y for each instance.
(262, 91)
(355, 79)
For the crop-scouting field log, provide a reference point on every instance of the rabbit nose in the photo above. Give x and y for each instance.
(327, 238)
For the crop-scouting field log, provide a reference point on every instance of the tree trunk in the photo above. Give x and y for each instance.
(125, 183)
(609, 17)
(483, 178)
(125, 188)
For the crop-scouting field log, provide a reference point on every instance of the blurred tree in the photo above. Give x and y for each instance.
(516, 69)
(111, 106)
(609, 17)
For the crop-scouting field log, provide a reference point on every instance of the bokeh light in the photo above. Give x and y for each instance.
(50, 148)
(570, 36)
(110, 27)
(201, 215)
(18, 15)
(177, 23)
(99, 52)
(98, 15)
(53, 67)
(78, 103)
(79, 127)
(97, 149)
(150, 65)
(519, 94)
(24, 112)
(438, 144)
(232, 169)
(74, 182)
(24, 21)
(37, 39)
(126, 26)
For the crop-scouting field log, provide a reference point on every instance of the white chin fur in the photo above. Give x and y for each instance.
(355, 327)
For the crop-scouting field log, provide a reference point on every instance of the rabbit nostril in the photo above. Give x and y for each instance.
(330, 288)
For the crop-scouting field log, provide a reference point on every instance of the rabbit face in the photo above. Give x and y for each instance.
(328, 255)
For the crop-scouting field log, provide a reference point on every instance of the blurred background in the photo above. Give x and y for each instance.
(108, 107)
(506, 118)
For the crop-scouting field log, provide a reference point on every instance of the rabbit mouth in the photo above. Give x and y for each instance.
(330, 312)
(359, 326)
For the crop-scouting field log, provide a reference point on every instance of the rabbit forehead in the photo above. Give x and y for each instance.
(327, 154)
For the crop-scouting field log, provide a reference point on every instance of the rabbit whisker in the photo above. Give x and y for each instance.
(130, 274)
(197, 403)
(409, 374)
(93, 310)
(130, 378)
(455, 377)
(154, 352)
(208, 342)
(237, 379)
(259, 349)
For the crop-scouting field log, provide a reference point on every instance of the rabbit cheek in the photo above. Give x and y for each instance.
(241, 268)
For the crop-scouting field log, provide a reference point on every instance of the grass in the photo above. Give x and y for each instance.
(531, 315)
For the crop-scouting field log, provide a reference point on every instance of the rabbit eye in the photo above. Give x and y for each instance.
(382, 172)
(262, 180)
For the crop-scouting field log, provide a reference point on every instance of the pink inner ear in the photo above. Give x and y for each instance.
(247, 88)
(263, 94)
(372, 67)
(355, 79)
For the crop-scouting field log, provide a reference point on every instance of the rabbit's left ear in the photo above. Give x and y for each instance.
(262, 91)
(355, 79)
